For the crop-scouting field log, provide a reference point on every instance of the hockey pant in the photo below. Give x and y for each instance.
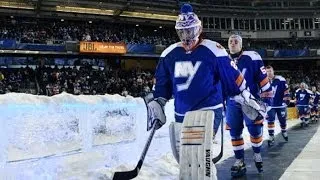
(303, 113)
(314, 112)
(282, 117)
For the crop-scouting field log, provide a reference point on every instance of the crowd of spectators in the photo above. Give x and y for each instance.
(42, 31)
(45, 80)
(84, 80)
(295, 78)
(17, 80)
(89, 81)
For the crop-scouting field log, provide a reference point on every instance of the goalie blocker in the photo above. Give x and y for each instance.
(193, 139)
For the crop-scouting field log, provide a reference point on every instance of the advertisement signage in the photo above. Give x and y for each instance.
(101, 47)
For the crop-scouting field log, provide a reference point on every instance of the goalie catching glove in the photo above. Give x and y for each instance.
(251, 107)
(155, 108)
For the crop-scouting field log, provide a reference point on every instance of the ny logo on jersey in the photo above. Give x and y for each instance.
(302, 96)
(185, 69)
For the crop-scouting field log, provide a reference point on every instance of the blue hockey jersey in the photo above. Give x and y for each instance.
(280, 91)
(196, 78)
(303, 97)
(316, 98)
(251, 66)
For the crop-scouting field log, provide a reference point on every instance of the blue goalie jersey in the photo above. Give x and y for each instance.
(196, 79)
(280, 91)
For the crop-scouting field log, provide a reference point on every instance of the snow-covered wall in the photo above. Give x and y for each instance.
(40, 126)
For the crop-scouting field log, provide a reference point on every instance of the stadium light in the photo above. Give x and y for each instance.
(84, 10)
(16, 5)
(148, 16)
(110, 12)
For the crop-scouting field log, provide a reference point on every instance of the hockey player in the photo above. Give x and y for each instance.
(280, 101)
(303, 98)
(254, 72)
(315, 105)
(194, 71)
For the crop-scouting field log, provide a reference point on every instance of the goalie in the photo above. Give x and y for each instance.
(195, 71)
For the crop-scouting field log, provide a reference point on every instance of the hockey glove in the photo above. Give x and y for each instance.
(286, 102)
(245, 97)
(253, 114)
(251, 107)
(155, 108)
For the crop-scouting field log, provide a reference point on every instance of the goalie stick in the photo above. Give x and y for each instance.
(217, 158)
(134, 173)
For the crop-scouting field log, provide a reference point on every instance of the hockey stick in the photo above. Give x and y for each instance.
(217, 158)
(134, 173)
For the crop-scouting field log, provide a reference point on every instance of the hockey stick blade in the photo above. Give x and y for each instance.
(134, 173)
(128, 174)
(217, 158)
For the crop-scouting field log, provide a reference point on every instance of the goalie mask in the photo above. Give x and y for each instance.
(235, 44)
(188, 27)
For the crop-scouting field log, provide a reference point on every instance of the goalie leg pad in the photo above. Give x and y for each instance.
(174, 133)
(196, 146)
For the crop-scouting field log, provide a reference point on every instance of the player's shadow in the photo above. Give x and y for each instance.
(276, 159)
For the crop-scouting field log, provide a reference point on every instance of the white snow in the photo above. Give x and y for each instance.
(84, 137)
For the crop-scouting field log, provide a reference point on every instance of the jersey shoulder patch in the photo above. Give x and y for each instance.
(280, 78)
(215, 48)
(170, 49)
(253, 55)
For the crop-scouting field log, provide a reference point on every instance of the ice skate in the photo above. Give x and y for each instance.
(258, 161)
(239, 168)
(285, 136)
(271, 141)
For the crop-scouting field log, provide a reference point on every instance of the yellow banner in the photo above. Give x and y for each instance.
(100, 47)
(292, 113)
